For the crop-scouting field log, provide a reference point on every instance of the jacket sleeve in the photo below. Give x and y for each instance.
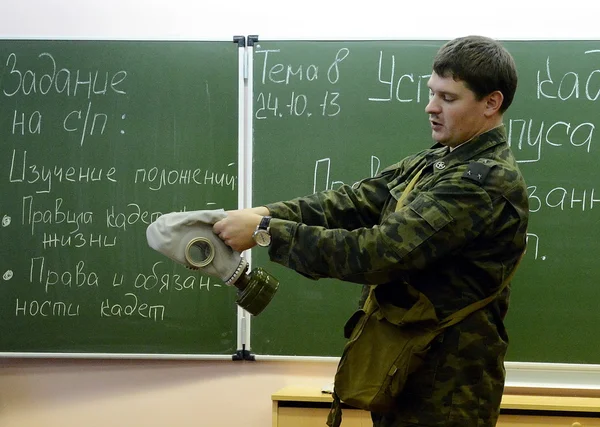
(436, 221)
(344, 208)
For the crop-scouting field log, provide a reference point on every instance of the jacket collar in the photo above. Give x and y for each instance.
(471, 149)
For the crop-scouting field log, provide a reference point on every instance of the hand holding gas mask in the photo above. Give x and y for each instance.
(187, 238)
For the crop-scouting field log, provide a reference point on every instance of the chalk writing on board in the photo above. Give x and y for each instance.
(160, 278)
(64, 81)
(322, 173)
(23, 171)
(297, 105)
(570, 85)
(407, 87)
(81, 277)
(561, 198)
(54, 206)
(57, 215)
(84, 121)
(533, 246)
(527, 139)
(158, 178)
(132, 214)
(31, 173)
(132, 307)
(45, 308)
(280, 73)
(76, 121)
(40, 273)
(78, 240)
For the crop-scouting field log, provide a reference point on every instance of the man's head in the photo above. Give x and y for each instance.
(473, 82)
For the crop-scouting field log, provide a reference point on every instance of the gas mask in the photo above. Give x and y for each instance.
(187, 238)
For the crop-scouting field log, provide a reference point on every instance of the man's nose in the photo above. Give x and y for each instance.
(432, 106)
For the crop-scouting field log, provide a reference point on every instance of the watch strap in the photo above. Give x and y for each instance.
(264, 223)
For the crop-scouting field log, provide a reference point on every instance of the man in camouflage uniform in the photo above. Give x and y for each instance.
(458, 236)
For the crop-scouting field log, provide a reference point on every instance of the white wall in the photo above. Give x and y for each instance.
(221, 19)
(74, 393)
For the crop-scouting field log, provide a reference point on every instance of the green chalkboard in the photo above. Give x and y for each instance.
(98, 138)
(332, 112)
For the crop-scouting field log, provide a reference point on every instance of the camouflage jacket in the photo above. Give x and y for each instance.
(459, 234)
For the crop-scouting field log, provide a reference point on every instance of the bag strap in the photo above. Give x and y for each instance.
(368, 305)
(408, 189)
(334, 418)
(461, 314)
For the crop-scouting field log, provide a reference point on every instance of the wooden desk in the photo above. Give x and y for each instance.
(308, 407)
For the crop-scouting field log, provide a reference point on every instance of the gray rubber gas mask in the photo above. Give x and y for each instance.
(187, 238)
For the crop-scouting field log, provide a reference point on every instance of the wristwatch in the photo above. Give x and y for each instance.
(261, 235)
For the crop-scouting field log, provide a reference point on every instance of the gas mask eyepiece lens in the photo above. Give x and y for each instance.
(199, 252)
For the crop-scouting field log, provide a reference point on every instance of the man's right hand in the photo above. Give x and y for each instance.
(237, 228)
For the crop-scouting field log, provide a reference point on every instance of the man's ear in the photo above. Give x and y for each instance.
(493, 103)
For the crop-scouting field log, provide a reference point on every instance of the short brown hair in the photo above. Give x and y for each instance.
(482, 63)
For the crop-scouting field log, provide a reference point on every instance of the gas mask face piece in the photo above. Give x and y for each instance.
(187, 238)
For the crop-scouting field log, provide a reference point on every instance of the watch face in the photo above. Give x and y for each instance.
(262, 238)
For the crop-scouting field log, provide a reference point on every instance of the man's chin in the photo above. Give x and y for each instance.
(438, 138)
